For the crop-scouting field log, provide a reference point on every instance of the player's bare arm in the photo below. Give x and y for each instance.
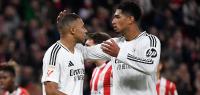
(110, 47)
(52, 88)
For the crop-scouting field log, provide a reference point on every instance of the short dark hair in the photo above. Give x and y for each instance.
(131, 8)
(66, 18)
(8, 68)
(98, 37)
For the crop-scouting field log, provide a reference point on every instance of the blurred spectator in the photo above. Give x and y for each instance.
(11, 19)
(8, 81)
(191, 17)
(190, 12)
(27, 81)
(197, 82)
(183, 80)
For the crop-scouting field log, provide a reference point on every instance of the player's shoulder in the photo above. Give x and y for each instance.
(171, 85)
(52, 47)
(171, 82)
(23, 91)
(79, 46)
(149, 38)
(167, 81)
(53, 50)
(118, 39)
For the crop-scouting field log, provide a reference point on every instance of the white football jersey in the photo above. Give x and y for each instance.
(64, 68)
(134, 69)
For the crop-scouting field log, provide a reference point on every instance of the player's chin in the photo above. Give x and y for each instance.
(115, 29)
(82, 41)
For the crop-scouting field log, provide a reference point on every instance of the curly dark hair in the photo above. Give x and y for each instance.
(131, 8)
(8, 68)
(99, 37)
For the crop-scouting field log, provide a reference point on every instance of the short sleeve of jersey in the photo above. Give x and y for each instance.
(51, 65)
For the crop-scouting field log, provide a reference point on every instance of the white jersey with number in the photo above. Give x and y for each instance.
(101, 81)
(134, 69)
(64, 68)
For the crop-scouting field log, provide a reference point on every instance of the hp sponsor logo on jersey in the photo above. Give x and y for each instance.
(151, 53)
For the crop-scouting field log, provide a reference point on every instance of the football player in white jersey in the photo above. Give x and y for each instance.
(63, 68)
(134, 56)
(101, 81)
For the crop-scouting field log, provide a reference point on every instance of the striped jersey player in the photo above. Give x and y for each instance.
(165, 87)
(134, 69)
(18, 91)
(64, 68)
(101, 81)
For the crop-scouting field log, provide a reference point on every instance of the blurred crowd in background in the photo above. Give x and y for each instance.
(27, 29)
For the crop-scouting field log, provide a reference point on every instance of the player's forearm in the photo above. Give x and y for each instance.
(94, 52)
(141, 64)
(51, 88)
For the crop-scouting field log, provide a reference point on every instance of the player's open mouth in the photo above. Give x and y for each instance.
(115, 27)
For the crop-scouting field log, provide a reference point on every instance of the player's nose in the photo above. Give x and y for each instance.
(85, 30)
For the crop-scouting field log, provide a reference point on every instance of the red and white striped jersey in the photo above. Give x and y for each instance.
(166, 87)
(101, 81)
(18, 91)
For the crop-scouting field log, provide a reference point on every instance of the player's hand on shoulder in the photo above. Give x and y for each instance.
(110, 47)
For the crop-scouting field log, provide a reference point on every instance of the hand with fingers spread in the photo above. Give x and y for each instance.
(110, 47)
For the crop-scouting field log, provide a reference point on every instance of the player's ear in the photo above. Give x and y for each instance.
(72, 30)
(131, 19)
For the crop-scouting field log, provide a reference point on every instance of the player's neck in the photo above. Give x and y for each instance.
(69, 43)
(131, 33)
(158, 76)
(100, 62)
(11, 89)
